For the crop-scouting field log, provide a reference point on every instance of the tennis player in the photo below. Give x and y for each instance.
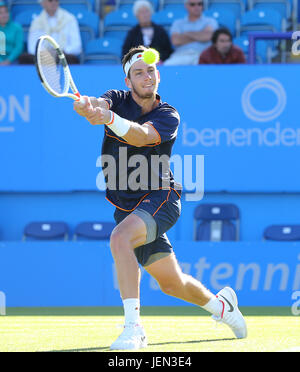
(140, 123)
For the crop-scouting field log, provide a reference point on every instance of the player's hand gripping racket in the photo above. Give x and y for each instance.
(54, 71)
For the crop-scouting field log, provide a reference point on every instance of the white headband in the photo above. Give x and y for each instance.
(136, 57)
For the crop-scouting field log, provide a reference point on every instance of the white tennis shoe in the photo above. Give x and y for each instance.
(133, 337)
(231, 314)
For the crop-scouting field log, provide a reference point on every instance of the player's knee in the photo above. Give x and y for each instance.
(118, 241)
(115, 241)
(171, 288)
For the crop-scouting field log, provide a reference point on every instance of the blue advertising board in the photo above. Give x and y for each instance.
(243, 119)
(83, 273)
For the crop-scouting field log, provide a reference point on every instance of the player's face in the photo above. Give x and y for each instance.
(144, 80)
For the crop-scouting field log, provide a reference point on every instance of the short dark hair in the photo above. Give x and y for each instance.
(127, 57)
(218, 32)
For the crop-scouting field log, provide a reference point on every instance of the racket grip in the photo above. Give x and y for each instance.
(81, 101)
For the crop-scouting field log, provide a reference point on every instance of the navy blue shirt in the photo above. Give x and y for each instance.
(135, 176)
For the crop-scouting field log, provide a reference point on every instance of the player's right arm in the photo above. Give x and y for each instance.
(90, 102)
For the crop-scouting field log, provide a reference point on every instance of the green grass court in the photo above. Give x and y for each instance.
(169, 329)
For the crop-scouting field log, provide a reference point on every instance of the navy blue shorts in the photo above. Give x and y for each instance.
(159, 210)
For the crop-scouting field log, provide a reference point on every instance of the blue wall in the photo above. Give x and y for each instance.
(243, 119)
(257, 211)
(82, 274)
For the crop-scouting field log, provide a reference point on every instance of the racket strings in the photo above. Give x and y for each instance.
(51, 68)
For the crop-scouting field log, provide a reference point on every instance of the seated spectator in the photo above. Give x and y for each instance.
(11, 38)
(222, 51)
(58, 23)
(146, 32)
(191, 35)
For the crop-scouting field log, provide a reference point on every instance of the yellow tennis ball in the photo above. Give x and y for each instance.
(150, 56)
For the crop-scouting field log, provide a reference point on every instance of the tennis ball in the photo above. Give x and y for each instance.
(150, 56)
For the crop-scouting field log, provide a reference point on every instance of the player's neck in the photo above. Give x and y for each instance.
(147, 104)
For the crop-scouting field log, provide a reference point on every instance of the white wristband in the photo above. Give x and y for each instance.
(118, 125)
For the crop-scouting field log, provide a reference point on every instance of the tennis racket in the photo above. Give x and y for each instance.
(53, 69)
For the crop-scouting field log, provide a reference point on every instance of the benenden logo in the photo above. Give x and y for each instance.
(259, 115)
(270, 136)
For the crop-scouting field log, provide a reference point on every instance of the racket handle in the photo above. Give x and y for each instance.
(81, 101)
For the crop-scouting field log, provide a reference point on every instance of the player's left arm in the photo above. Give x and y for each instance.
(142, 135)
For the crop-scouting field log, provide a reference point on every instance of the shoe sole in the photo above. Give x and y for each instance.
(142, 345)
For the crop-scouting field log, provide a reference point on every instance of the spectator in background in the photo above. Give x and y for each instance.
(222, 51)
(146, 32)
(11, 39)
(191, 35)
(58, 23)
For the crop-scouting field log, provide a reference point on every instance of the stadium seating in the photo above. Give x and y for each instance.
(88, 25)
(25, 19)
(239, 16)
(167, 16)
(46, 231)
(174, 5)
(262, 20)
(282, 6)
(225, 18)
(117, 24)
(103, 51)
(165, 4)
(93, 230)
(238, 7)
(263, 50)
(216, 222)
(87, 4)
(257, 20)
(282, 233)
(18, 6)
(127, 4)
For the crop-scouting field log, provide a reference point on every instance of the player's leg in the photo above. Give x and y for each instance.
(174, 282)
(126, 236)
(130, 233)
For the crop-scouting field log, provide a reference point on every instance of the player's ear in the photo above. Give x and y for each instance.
(158, 76)
(128, 83)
